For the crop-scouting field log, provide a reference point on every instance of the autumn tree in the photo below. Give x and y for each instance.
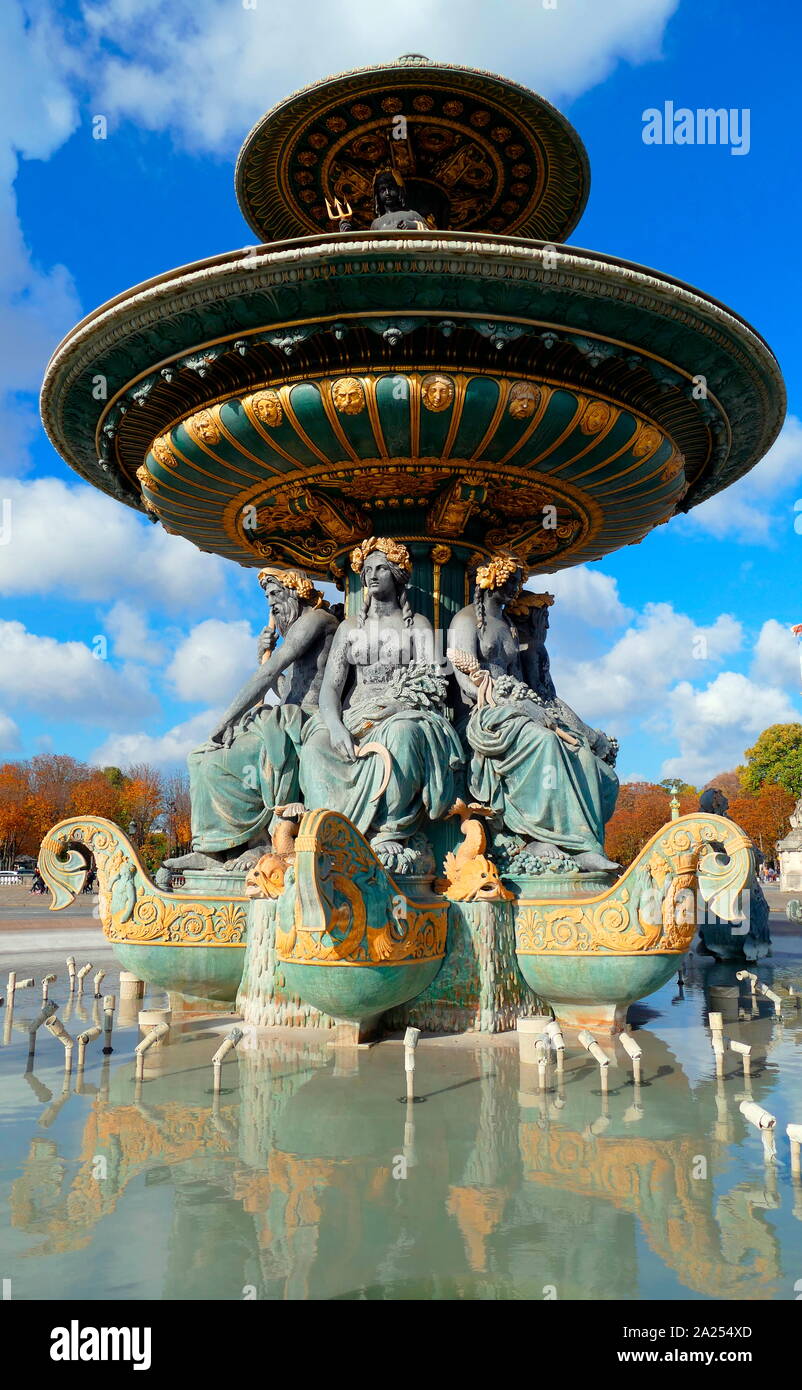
(642, 808)
(52, 779)
(177, 812)
(15, 815)
(763, 815)
(96, 794)
(142, 801)
(776, 757)
(727, 782)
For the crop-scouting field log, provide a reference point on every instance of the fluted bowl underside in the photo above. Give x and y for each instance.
(278, 403)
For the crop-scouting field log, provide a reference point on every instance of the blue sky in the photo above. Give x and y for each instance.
(680, 646)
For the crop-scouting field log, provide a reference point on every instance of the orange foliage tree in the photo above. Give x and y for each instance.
(763, 815)
(97, 795)
(35, 795)
(178, 811)
(641, 809)
(727, 782)
(142, 801)
(16, 836)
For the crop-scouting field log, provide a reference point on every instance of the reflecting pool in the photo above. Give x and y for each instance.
(308, 1177)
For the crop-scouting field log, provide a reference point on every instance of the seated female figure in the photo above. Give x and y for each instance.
(546, 774)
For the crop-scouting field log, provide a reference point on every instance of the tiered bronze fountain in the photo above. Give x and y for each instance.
(413, 390)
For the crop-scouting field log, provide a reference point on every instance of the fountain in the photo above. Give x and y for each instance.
(412, 389)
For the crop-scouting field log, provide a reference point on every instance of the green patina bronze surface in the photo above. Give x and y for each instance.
(384, 305)
(479, 150)
(191, 944)
(409, 393)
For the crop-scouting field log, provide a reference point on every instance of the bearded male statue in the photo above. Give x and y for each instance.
(249, 765)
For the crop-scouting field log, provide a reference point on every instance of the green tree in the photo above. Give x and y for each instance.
(683, 788)
(776, 757)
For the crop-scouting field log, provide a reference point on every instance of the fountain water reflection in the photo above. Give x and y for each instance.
(303, 1178)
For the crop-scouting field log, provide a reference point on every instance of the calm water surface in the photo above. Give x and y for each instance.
(309, 1179)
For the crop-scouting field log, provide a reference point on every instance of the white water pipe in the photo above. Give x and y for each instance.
(794, 1133)
(542, 1058)
(82, 974)
(47, 1011)
(109, 1005)
(56, 1027)
(411, 1038)
(100, 976)
(554, 1034)
(765, 1123)
(773, 999)
(83, 1040)
(635, 1052)
(590, 1045)
(744, 1050)
(756, 1115)
(747, 975)
(71, 971)
(716, 1021)
(47, 981)
(152, 1036)
(227, 1045)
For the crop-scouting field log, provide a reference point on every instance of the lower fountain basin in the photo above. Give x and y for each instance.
(359, 993)
(595, 992)
(200, 972)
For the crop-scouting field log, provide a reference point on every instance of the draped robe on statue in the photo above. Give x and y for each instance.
(541, 788)
(234, 789)
(426, 756)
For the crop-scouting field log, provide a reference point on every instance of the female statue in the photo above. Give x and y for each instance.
(249, 765)
(546, 774)
(380, 749)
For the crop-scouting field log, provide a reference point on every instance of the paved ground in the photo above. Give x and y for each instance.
(22, 910)
(777, 902)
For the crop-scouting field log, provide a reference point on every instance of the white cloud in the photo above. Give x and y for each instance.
(658, 649)
(748, 511)
(9, 734)
(777, 656)
(713, 726)
(38, 111)
(153, 59)
(132, 639)
(73, 540)
(161, 750)
(587, 594)
(66, 681)
(213, 661)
